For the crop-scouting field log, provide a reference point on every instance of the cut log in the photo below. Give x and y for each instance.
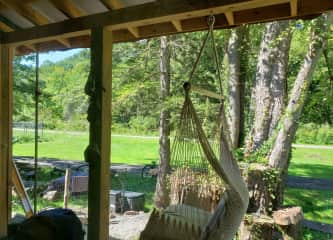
(290, 221)
(261, 183)
(256, 227)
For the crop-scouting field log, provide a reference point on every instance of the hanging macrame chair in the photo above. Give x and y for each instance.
(198, 177)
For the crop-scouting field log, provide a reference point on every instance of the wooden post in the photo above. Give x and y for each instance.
(66, 188)
(5, 135)
(97, 154)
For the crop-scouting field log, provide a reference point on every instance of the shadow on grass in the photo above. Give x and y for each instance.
(311, 170)
(316, 205)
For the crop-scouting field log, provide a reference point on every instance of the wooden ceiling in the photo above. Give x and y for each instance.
(44, 25)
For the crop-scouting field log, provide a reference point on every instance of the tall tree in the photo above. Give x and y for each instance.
(161, 194)
(281, 149)
(235, 52)
(266, 70)
(279, 78)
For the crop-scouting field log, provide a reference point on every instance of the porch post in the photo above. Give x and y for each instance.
(97, 154)
(6, 101)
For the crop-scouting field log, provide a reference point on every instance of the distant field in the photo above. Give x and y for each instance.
(71, 147)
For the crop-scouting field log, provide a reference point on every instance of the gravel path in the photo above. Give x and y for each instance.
(128, 227)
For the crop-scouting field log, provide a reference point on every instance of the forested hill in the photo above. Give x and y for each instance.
(136, 86)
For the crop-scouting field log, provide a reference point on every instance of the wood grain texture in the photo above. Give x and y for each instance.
(97, 154)
(6, 100)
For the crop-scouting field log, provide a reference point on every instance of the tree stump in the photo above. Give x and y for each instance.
(256, 227)
(261, 181)
(290, 221)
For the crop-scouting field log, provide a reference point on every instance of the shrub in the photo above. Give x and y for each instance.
(314, 134)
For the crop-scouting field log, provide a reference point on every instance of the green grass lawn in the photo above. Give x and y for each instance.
(71, 147)
(316, 163)
(317, 205)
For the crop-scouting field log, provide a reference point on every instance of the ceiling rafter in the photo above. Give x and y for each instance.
(178, 25)
(293, 7)
(32, 15)
(7, 26)
(156, 18)
(68, 8)
(230, 18)
(116, 4)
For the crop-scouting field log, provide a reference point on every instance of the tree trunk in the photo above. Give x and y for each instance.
(281, 149)
(161, 194)
(236, 85)
(279, 78)
(263, 93)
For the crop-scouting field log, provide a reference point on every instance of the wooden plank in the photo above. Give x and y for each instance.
(5, 28)
(26, 11)
(281, 11)
(145, 14)
(113, 4)
(97, 153)
(6, 89)
(68, 8)
(116, 4)
(178, 25)
(230, 18)
(293, 7)
(53, 38)
(18, 184)
(31, 14)
(310, 6)
(9, 23)
(66, 190)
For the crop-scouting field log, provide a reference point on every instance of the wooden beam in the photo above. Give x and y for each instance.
(115, 5)
(165, 11)
(134, 31)
(31, 14)
(26, 11)
(20, 190)
(178, 25)
(6, 100)
(311, 6)
(97, 154)
(9, 23)
(68, 8)
(5, 28)
(112, 4)
(263, 14)
(230, 18)
(293, 7)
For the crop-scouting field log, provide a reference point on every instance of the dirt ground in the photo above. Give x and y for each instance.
(127, 227)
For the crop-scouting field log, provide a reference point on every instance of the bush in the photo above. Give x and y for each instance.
(143, 124)
(314, 134)
(27, 138)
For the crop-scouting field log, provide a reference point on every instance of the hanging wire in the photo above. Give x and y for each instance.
(37, 93)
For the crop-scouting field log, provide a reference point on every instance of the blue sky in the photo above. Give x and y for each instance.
(56, 56)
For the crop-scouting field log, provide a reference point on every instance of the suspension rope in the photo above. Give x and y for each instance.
(37, 93)
(211, 23)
